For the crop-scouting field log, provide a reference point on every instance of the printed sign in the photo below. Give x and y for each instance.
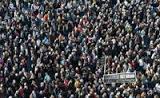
(120, 78)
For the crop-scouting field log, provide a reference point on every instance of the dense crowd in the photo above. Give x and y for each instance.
(52, 48)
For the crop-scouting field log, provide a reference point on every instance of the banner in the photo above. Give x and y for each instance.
(120, 78)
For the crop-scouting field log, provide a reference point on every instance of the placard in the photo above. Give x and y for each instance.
(120, 77)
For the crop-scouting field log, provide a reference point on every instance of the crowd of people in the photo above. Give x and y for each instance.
(52, 48)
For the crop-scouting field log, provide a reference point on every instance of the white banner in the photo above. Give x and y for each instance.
(120, 77)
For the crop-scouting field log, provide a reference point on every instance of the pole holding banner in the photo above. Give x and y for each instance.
(105, 67)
